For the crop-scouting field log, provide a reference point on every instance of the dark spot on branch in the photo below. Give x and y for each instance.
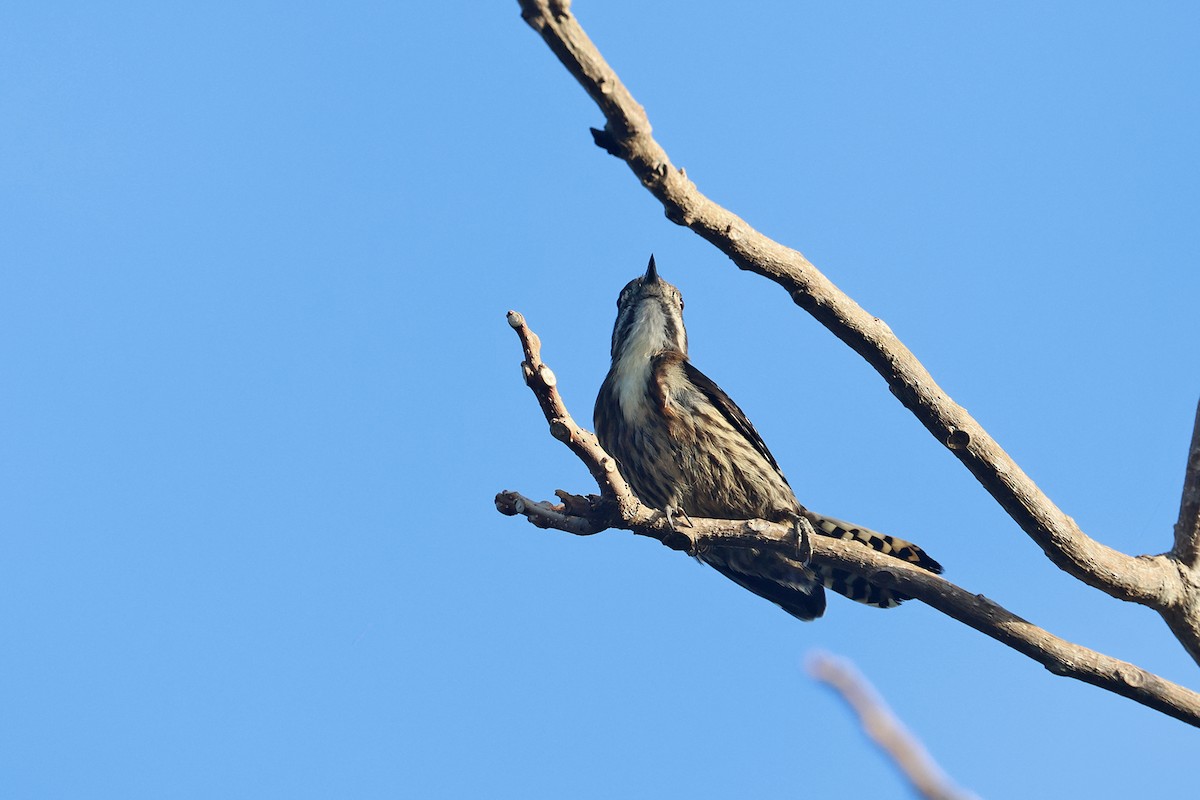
(1130, 676)
(958, 439)
(802, 299)
(676, 215)
(560, 430)
(605, 140)
(677, 540)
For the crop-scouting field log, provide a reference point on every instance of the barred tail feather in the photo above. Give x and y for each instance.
(854, 586)
(799, 589)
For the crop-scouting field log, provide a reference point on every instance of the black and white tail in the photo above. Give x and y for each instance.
(855, 587)
(797, 588)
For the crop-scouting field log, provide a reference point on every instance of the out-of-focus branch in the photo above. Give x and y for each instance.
(617, 507)
(885, 728)
(1154, 581)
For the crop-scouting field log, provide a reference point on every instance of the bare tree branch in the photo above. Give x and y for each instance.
(1153, 581)
(1187, 529)
(1183, 616)
(885, 728)
(542, 380)
(617, 507)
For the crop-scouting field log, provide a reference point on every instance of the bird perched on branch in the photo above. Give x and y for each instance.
(686, 448)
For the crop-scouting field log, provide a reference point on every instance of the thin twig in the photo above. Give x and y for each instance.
(617, 507)
(1152, 581)
(885, 728)
(541, 379)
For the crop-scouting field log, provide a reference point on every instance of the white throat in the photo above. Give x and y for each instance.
(632, 367)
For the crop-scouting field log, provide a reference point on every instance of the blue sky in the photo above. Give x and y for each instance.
(260, 392)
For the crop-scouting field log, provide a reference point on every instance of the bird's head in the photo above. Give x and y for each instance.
(649, 318)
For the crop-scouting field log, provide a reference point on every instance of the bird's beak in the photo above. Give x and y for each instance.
(651, 275)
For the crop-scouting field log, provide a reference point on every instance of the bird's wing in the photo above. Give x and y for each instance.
(729, 409)
(602, 413)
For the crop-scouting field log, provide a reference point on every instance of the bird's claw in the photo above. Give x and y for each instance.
(801, 528)
(670, 512)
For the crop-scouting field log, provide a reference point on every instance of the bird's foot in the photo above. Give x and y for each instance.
(670, 512)
(803, 531)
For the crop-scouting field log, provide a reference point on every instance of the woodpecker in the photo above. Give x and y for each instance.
(686, 448)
